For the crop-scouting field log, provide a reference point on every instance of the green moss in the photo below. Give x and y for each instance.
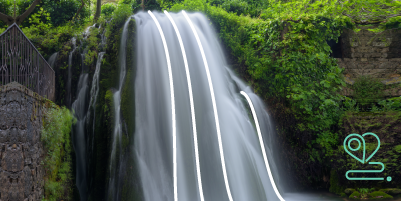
(349, 190)
(343, 195)
(391, 191)
(335, 187)
(56, 138)
(125, 141)
(355, 195)
(397, 148)
(379, 195)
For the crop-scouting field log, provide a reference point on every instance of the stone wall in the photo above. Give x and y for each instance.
(376, 55)
(21, 151)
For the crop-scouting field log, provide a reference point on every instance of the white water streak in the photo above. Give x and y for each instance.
(191, 100)
(216, 117)
(255, 117)
(170, 75)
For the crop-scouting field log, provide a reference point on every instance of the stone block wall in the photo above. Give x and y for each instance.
(21, 151)
(376, 55)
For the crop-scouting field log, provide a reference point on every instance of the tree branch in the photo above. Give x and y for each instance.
(79, 10)
(22, 17)
(6, 19)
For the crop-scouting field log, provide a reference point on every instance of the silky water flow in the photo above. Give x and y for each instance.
(195, 137)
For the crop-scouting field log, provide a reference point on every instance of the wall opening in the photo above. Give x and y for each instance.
(336, 50)
(395, 46)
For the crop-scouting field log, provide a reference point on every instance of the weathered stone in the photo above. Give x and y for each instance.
(20, 121)
(368, 53)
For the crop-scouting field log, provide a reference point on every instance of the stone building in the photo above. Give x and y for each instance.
(369, 54)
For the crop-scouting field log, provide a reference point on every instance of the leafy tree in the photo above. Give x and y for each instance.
(18, 19)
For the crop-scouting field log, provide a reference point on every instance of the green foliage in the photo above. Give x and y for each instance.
(61, 12)
(350, 105)
(6, 7)
(335, 187)
(398, 148)
(355, 195)
(246, 7)
(108, 9)
(368, 90)
(53, 39)
(349, 190)
(39, 22)
(57, 143)
(357, 10)
(119, 16)
(364, 192)
(380, 195)
(91, 44)
(391, 104)
(236, 6)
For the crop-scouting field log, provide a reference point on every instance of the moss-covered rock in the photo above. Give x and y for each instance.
(391, 191)
(379, 195)
(355, 195)
(128, 93)
(349, 191)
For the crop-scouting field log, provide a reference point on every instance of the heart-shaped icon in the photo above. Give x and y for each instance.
(359, 146)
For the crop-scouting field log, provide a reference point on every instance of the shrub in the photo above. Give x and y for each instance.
(121, 13)
(368, 90)
(236, 6)
(60, 11)
(56, 137)
(108, 9)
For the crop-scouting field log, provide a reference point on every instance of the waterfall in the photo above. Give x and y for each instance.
(83, 108)
(116, 153)
(68, 102)
(195, 137)
(52, 59)
(247, 177)
(79, 135)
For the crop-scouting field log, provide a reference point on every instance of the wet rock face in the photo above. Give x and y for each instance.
(21, 152)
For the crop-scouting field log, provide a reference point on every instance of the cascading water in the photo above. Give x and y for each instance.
(78, 137)
(84, 112)
(246, 171)
(116, 153)
(244, 176)
(83, 108)
(73, 41)
(52, 59)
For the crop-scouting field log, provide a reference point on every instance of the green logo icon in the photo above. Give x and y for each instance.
(361, 142)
